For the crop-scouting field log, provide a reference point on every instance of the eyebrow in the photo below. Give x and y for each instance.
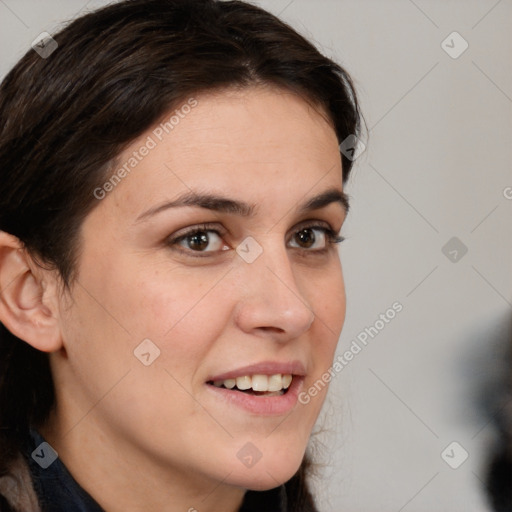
(222, 204)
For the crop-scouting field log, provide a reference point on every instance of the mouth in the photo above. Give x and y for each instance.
(257, 385)
(264, 389)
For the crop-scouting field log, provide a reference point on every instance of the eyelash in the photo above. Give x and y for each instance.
(331, 235)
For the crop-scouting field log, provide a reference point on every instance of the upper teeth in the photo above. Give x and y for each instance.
(257, 382)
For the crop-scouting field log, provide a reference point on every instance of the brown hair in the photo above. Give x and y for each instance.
(64, 119)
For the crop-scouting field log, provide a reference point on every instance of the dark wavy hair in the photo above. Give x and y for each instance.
(64, 119)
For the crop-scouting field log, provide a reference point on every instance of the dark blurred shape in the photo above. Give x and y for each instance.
(499, 481)
(499, 471)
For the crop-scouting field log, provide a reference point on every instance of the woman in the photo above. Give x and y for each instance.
(171, 194)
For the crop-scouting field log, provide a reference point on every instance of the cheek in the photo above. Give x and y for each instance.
(118, 306)
(328, 301)
(182, 312)
(183, 304)
(153, 298)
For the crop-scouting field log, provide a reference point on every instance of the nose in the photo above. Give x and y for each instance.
(271, 302)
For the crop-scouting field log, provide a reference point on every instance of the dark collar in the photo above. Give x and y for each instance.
(58, 491)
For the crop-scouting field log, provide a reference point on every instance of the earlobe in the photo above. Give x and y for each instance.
(24, 288)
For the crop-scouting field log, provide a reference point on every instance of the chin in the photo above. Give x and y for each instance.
(266, 475)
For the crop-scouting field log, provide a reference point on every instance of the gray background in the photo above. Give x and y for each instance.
(437, 166)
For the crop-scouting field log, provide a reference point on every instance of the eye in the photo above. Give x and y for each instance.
(315, 238)
(199, 240)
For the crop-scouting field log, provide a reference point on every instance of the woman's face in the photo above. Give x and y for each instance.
(207, 264)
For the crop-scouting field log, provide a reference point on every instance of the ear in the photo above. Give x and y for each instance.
(28, 297)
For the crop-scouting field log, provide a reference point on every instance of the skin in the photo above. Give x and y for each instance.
(153, 437)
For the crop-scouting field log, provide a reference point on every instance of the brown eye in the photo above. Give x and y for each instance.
(305, 237)
(314, 238)
(198, 242)
(201, 241)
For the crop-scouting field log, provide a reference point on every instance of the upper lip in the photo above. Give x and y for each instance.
(264, 368)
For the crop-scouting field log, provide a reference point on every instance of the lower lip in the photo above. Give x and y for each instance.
(262, 405)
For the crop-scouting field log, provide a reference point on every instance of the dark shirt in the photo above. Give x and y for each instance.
(58, 491)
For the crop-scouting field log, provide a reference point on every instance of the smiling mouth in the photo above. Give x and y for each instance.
(257, 385)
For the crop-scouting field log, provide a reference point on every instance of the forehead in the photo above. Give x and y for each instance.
(254, 142)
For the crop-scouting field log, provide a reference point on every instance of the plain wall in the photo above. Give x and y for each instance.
(437, 166)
